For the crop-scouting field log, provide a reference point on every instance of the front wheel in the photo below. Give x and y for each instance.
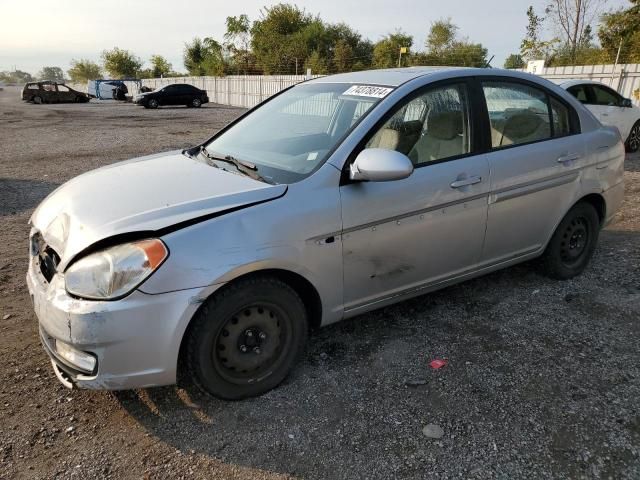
(633, 141)
(245, 339)
(37, 100)
(573, 243)
(196, 102)
(153, 103)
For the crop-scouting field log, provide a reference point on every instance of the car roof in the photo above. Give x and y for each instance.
(571, 83)
(386, 76)
(394, 77)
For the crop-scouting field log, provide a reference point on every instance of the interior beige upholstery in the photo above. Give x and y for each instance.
(443, 138)
(522, 127)
(386, 138)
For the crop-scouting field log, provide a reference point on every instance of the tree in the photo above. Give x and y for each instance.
(621, 29)
(532, 46)
(83, 70)
(342, 56)
(238, 42)
(51, 73)
(204, 57)
(441, 36)
(386, 52)
(121, 63)
(284, 37)
(514, 61)
(17, 76)
(317, 63)
(445, 48)
(572, 18)
(160, 67)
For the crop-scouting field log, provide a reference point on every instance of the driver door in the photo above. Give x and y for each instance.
(406, 235)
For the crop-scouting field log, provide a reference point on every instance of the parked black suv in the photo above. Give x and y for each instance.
(176, 94)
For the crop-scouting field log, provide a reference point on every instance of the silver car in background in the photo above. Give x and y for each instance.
(333, 198)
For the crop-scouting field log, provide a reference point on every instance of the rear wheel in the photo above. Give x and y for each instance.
(633, 141)
(245, 340)
(573, 243)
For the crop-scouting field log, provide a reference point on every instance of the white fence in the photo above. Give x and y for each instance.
(625, 78)
(238, 91)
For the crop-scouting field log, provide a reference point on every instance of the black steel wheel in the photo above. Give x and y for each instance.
(245, 339)
(633, 141)
(573, 243)
(153, 103)
(196, 102)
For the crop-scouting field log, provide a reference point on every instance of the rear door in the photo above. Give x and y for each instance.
(535, 158)
(405, 235)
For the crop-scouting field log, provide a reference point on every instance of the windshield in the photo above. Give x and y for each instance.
(287, 138)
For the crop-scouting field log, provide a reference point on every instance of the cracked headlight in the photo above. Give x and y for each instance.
(115, 271)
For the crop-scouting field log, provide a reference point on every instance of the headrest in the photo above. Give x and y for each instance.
(521, 125)
(445, 125)
(386, 138)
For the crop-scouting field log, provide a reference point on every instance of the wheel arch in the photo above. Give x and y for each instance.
(302, 286)
(598, 202)
(594, 199)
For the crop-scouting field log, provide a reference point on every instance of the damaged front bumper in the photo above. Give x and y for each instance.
(135, 341)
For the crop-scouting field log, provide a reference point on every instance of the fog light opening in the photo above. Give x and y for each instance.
(76, 358)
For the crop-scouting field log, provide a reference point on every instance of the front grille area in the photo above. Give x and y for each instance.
(47, 258)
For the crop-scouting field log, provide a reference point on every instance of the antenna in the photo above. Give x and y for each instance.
(488, 64)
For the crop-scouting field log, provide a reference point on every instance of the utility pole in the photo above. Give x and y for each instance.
(615, 64)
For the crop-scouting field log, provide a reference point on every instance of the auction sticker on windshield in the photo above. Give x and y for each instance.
(368, 91)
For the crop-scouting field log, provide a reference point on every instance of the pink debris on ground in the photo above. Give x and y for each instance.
(437, 363)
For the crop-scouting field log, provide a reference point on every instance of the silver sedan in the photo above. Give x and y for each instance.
(333, 198)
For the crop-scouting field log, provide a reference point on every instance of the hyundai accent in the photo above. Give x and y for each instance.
(335, 197)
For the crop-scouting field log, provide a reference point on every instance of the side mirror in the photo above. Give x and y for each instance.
(627, 103)
(380, 165)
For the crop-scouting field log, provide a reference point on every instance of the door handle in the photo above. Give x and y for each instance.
(568, 158)
(466, 181)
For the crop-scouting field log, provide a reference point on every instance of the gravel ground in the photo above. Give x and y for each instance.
(543, 377)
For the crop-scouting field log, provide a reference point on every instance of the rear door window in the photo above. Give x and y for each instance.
(518, 113)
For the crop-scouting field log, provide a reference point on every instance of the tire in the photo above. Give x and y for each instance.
(37, 100)
(633, 141)
(573, 243)
(196, 103)
(153, 103)
(244, 340)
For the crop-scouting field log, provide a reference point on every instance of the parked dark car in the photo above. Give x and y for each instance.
(52, 92)
(176, 94)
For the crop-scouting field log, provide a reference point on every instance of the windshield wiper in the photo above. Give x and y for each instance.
(244, 167)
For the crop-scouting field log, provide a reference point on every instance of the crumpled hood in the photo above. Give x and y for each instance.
(140, 195)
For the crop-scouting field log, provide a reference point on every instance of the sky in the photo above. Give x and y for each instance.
(44, 32)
